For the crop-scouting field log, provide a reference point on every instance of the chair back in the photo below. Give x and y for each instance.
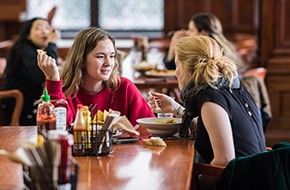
(267, 170)
(17, 94)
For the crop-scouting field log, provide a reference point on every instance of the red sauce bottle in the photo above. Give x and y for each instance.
(60, 108)
(45, 118)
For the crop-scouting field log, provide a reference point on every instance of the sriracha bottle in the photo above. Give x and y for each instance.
(45, 117)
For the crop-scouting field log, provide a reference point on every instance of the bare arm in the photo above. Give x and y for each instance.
(218, 126)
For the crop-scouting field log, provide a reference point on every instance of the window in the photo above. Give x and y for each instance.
(70, 15)
(131, 15)
(112, 15)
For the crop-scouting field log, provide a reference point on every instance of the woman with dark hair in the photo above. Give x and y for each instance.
(204, 24)
(22, 71)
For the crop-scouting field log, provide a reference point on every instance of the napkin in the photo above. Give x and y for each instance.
(123, 123)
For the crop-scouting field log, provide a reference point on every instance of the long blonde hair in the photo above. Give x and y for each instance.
(74, 70)
(203, 61)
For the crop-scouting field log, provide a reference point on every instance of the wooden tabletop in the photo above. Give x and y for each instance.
(11, 173)
(138, 166)
(129, 166)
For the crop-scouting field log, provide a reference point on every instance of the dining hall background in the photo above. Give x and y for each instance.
(258, 26)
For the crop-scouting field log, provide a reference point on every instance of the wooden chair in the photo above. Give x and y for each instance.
(204, 169)
(17, 94)
(51, 14)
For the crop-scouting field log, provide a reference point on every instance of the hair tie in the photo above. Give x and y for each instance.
(202, 60)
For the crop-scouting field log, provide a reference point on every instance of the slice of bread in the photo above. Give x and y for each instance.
(154, 141)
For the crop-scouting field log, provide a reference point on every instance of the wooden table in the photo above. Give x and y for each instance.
(137, 166)
(129, 166)
(11, 173)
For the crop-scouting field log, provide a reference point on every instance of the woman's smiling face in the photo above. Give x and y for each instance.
(101, 61)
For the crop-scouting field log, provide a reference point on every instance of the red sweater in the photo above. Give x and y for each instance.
(126, 99)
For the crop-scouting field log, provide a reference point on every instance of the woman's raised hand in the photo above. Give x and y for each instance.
(162, 103)
(48, 66)
(54, 35)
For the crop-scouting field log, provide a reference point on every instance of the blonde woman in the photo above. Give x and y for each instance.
(204, 24)
(228, 122)
(90, 77)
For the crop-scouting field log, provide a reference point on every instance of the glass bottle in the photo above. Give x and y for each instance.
(135, 51)
(45, 117)
(60, 108)
(79, 133)
(144, 49)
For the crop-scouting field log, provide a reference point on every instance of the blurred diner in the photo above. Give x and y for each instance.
(22, 72)
(204, 24)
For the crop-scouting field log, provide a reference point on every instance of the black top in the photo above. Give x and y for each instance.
(169, 64)
(244, 117)
(23, 73)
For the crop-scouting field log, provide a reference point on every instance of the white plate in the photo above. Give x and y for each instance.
(154, 73)
(158, 127)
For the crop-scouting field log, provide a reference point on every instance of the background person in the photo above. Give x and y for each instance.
(204, 24)
(22, 71)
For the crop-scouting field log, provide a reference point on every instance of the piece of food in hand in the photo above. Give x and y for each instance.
(154, 141)
(40, 50)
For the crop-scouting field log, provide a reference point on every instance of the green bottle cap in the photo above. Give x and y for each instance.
(45, 97)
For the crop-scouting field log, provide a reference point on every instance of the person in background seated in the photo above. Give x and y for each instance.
(204, 24)
(22, 71)
(90, 77)
(227, 120)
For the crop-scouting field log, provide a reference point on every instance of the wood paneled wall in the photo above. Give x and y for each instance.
(275, 56)
(238, 16)
(10, 11)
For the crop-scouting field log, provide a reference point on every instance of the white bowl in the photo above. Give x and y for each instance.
(158, 127)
